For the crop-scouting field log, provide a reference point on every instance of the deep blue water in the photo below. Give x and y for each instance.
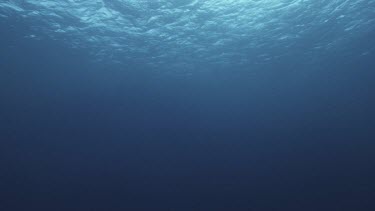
(187, 105)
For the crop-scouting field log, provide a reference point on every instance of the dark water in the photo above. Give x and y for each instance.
(76, 133)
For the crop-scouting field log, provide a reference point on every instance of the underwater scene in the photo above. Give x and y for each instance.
(187, 105)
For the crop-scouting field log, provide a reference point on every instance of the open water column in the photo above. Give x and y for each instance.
(188, 105)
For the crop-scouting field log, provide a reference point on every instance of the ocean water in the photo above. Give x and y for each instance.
(233, 105)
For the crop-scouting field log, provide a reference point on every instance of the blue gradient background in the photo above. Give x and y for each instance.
(79, 132)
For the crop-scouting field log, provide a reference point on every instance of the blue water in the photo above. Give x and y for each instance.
(247, 105)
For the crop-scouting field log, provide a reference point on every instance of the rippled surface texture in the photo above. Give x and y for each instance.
(189, 33)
